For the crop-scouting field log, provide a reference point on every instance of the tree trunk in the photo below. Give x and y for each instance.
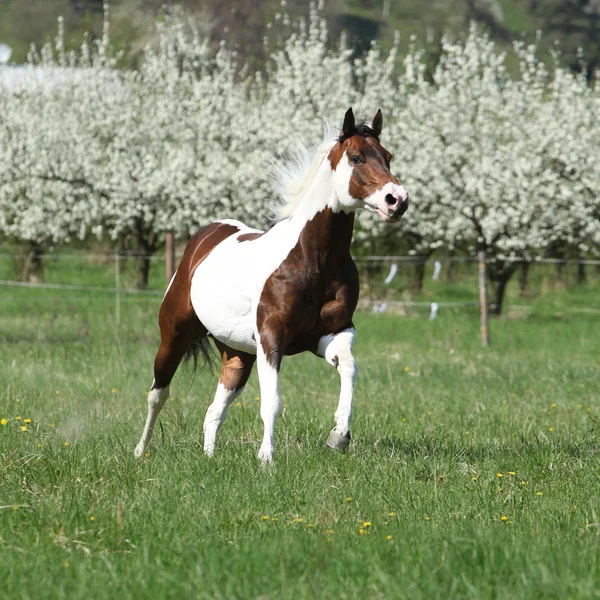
(524, 279)
(450, 271)
(581, 274)
(147, 241)
(416, 286)
(500, 274)
(32, 268)
(499, 289)
(143, 270)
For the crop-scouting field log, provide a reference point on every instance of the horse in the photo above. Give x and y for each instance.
(294, 288)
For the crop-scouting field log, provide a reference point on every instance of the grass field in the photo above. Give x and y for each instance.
(471, 474)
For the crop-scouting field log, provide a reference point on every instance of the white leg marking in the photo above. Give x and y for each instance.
(215, 415)
(337, 350)
(270, 405)
(156, 401)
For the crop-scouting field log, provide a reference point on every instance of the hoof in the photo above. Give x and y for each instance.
(265, 457)
(337, 441)
(139, 450)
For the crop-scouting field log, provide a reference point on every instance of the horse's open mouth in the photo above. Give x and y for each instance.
(388, 218)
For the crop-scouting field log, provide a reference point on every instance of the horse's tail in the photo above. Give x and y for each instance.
(201, 354)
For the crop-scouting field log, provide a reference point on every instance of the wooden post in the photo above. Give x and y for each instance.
(483, 302)
(170, 252)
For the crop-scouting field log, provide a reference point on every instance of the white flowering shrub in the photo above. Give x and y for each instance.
(492, 161)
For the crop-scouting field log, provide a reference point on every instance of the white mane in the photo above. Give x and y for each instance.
(294, 176)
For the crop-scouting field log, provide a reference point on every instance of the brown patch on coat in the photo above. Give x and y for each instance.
(313, 292)
(236, 367)
(248, 237)
(179, 325)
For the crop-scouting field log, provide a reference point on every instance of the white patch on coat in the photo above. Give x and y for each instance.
(270, 404)
(337, 350)
(156, 400)
(227, 284)
(215, 415)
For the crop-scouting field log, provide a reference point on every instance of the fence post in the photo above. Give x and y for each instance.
(170, 254)
(117, 286)
(483, 302)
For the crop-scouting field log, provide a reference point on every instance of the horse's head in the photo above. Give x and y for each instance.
(362, 176)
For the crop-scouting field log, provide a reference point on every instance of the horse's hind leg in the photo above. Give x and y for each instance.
(178, 330)
(235, 370)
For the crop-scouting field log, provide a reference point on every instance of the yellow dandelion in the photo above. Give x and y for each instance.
(3, 422)
(588, 409)
(18, 418)
(511, 473)
(329, 531)
(467, 432)
(504, 518)
(499, 475)
(349, 499)
(15, 508)
(310, 526)
(553, 405)
(39, 445)
(27, 421)
(538, 493)
(574, 507)
(523, 483)
(57, 392)
(473, 478)
(274, 519)
(404, 419)
(391, 514)
(92, 518)
(366, 524)
(114, 390)
(500, 490)
(298, 520)
(257, 398)
(24, 428)
(406, 369)
(53, 425)
(580, 406)
(389, 537)
(550, 428)
(385, 522)
(265, 517)
(428, 518)
(362, 531)
(67, 565)
(65, 443)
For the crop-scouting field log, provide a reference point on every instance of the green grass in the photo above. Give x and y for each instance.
(437, 419)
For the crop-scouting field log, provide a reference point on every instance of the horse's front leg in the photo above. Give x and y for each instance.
(337, 351)
(269, 351)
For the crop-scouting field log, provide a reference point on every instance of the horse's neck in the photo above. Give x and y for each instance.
(324, 231)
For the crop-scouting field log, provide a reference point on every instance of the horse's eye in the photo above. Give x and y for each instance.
(355, 159)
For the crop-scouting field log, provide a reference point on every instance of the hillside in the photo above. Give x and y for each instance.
(244, 22)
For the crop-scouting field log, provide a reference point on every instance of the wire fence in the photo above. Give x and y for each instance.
(388, 283)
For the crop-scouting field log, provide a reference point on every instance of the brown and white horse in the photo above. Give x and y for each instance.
(263, 295)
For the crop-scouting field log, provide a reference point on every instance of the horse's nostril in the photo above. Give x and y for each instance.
(390, 200)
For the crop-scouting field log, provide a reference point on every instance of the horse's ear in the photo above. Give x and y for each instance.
(349, 126)
(377, 124)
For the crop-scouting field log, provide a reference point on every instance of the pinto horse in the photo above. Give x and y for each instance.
(264, 295)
